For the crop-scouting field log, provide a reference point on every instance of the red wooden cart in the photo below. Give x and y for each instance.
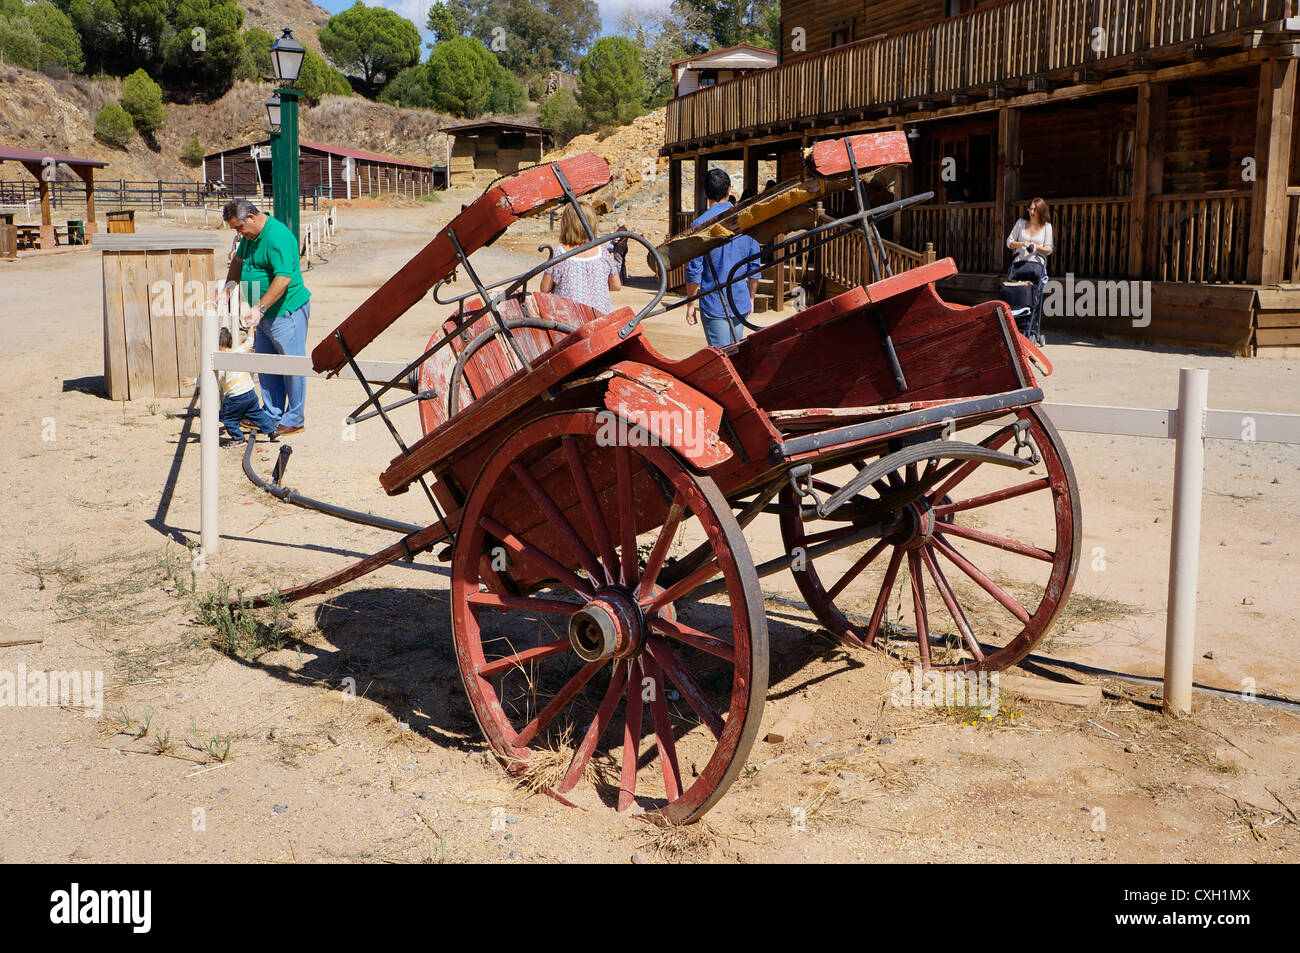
(594, 492)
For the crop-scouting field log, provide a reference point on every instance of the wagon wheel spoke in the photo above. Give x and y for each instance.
(917, 582)
(605, 714)
(663, 541)
(521, 548)
(855, 570)
(627, 516)
(493, 600)
(694, 637)
(631, 743)
(987, 499)
(559, 521)
(882, 599)
(998, 542)
(557, 702)
(519, 659)
(663, 728)
(995, 441)
(690, 689)
(950, 600)
(685, 587)
(1005, 599)
(599, 530)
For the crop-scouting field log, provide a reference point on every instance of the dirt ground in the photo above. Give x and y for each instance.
(265, 760)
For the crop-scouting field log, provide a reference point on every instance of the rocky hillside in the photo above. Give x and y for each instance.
(37, 112)
(301, 16)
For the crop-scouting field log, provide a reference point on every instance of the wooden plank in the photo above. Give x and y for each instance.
(1041, 689)
(871, 150)
(135, 318)
(1278, 319)
(162, 322)
(115, 377)
(477, 226)
(1277, 337)
(1277, 94)
(198, 267)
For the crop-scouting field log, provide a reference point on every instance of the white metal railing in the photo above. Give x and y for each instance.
(1189, 425)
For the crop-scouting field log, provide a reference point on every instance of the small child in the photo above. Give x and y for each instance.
(239, 400)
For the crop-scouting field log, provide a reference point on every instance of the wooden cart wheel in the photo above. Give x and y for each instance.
(989, 556)
(564, 638)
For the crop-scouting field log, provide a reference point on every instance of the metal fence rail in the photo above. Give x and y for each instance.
(135, 193)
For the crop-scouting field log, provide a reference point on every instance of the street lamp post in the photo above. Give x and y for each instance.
(287, 56)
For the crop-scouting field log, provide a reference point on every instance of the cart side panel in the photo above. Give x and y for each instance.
(836, 359)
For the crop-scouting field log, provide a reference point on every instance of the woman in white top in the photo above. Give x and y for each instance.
(1031, 240)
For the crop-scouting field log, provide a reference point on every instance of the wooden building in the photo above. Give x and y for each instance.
(338, 172)
(482, 151)
(1160, 132)
(719, 66)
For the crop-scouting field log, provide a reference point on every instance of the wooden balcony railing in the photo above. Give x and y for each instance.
(1193, 238)
(1008, 42)
(1199, 238)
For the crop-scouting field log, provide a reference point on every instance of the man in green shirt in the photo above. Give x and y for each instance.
(265, 265)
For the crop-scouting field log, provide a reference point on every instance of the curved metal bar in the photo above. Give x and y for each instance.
(837, 228)
(306, 502)
(541, 324)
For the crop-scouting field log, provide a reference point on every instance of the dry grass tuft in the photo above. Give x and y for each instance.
(546, 767)
(682, 842)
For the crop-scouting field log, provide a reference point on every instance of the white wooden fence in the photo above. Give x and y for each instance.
(1189, 425)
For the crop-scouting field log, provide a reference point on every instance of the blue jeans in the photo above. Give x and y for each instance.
(285, 397)
(720, 332)
(239, 406)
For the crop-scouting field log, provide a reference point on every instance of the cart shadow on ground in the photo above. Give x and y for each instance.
(396, 646)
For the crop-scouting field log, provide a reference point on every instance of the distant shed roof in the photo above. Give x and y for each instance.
(497, 124)
(346, 151)
(14, 154)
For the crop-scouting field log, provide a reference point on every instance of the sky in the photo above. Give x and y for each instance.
(417, 10)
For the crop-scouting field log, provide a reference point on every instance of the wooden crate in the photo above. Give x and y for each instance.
(153, 308)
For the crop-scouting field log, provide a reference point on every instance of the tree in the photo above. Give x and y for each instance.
(563, 116)
(206, 49)
(409, 88)
(466, 80)
(192, 153)
(113, 126)
(60, 43)
(714, 24)
(14, 8)
(255, 60)
(142, 99)
(530, 36)
(317, 78)
(610, 86)
(442, 23)
(371, 42)
(507, 93)
(141, 25)
(661, 39)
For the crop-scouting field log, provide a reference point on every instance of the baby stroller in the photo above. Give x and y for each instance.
(1025, 298)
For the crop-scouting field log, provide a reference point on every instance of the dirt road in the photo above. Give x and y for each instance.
(266, 760)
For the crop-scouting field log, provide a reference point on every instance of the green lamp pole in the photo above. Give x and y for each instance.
(287, 56)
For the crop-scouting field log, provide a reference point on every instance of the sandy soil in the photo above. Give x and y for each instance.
(95, 566)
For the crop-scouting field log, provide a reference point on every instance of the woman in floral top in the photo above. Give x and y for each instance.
(587, 278)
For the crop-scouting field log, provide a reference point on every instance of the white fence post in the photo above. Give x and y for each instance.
(209, 435)
(1185, 539)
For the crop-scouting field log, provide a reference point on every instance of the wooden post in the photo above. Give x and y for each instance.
(1148, 173)
(750, 183)
(87, 174)
(1007, 186)
(43, 189)
(1268, 201)
(701, 170)
(674, 194)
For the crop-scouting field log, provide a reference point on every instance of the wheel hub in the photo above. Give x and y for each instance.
(917, 525)
(610, 626)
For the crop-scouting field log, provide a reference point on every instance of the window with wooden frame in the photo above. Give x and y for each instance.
(841, 32)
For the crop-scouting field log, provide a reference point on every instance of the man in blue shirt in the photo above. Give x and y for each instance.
(722, 325)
